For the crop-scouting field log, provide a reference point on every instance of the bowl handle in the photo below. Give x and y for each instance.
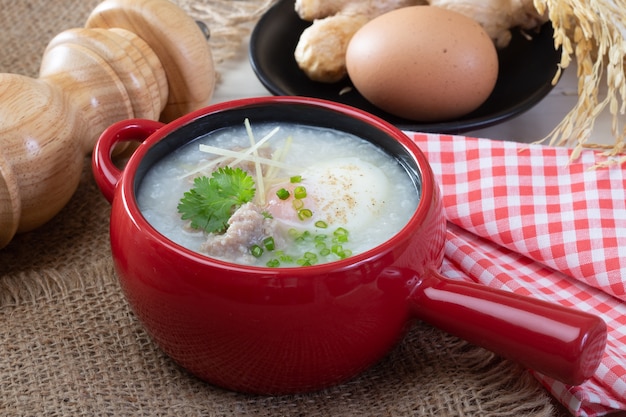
(560, 342)
(106, 173)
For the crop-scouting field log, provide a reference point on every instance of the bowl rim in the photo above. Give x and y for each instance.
(418, 218)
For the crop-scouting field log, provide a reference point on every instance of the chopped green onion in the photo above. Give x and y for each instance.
(299, 192)
(282, 194)
(286, 258)
(320, 238)
(341, 235)
(336, 249)
(310, 261)
(314, 248)
(268, 242)
(303, 262)
(273, 263)
(256, 251)
(297, 204)
(301, 237)
(321, 224)
(295, 179)
(304, 214)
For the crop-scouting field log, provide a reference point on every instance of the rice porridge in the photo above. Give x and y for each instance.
(278, 195)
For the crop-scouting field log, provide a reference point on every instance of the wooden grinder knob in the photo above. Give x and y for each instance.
(133, 59)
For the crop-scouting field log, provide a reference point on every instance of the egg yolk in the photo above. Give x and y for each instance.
(347, 192)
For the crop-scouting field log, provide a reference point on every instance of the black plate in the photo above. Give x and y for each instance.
(527, 68)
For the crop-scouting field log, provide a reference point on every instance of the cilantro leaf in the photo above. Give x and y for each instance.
(211, 201)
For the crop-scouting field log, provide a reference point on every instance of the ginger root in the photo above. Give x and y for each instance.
(321, 49)
(497, 17)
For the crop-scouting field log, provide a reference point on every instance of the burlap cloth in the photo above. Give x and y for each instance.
(70, 346)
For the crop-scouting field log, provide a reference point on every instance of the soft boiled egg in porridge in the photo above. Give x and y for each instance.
(343, 191)
(278, 195)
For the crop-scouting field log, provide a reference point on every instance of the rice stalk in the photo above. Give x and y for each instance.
(594, 32)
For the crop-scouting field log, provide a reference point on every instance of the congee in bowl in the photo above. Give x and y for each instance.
(287, 185)
(229, 293)
(278, 194)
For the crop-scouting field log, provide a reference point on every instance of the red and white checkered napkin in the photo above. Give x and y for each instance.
(526, 219)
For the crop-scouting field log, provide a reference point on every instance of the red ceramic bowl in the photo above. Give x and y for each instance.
(285, 330)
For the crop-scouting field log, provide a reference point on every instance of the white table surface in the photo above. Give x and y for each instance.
(237, 80)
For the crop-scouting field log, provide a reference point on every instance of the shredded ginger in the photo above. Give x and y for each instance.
(594, 31)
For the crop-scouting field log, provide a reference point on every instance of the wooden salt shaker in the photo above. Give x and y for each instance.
(133, 59)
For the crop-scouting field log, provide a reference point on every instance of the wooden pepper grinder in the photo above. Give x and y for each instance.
(133, 59)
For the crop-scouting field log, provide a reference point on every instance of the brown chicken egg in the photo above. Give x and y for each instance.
(423, 63)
